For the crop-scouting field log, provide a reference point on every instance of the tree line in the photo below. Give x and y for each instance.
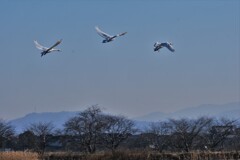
(92, 130)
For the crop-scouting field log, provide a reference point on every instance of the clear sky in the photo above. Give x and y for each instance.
(124, 76)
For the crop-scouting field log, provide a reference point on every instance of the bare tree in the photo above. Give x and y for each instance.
(116, 130)
(237, 136)
(159, 135)
(41, 130)
(218, 132)
(6, 133)
(27, 141)
(86, 128)
(186, 131)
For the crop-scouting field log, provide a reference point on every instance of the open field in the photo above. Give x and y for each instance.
(127, 155)
(18, 156)
(123, 155)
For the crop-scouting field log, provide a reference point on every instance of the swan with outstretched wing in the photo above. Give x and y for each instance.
(168, 45)
(107, 37)
(46, 50)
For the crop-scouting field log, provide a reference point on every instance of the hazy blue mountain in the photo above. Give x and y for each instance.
(154, 116)
(142, 125)
(230, 110)
(57, 118)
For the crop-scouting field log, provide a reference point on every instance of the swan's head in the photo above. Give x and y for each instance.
(156, 49)
(104, 41)
(107, 40)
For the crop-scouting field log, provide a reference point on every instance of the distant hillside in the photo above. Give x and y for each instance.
(230, 110)
(57, 118)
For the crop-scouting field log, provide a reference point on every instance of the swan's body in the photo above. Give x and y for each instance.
(107, 37)
(168, 45)
(46, 50)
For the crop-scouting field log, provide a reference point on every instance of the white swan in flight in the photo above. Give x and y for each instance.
(46, 50)
(168, 45)
(107, 37)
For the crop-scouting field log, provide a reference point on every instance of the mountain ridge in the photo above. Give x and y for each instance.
(229, 110)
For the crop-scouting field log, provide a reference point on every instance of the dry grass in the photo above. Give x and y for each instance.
(145, 155)
(18, 156)
(122, 155)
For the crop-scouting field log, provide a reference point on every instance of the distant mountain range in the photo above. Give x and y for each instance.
(56, 118)
(230, 110)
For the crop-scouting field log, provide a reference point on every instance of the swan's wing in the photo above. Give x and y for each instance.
(57, 43)
(102, 34)
(121, 34)
(38, 46)
(168, 46)
(156, 44)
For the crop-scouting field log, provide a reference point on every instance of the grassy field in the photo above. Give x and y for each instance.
(146, 156)
(122, 156)
(18, 156)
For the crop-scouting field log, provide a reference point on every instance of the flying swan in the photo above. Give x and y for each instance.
(168, 45)
(46, 50)
(107, 37)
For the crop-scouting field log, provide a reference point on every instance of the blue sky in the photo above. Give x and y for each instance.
(124, 76)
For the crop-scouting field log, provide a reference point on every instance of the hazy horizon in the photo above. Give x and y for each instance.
(123, 114)
(124, 76)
